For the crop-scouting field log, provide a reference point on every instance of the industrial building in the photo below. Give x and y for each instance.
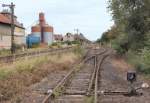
(74, 37)
(5, 31)
(68, 37)
(58, 37)
(42, 30)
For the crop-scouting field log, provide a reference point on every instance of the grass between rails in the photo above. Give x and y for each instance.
(16, 77)
(89, 99)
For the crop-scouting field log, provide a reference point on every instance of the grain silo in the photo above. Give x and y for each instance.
(36, 31)
(43, 30)
(32, 40)
(48, 34)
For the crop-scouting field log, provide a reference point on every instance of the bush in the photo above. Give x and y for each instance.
(141, 61)
(145, 61)
(35, 46)
(71, 42)
(68, 42)
(4, 52)
(56, 44)
(119, 50)
(117, 46)
(75, 42)
(79, 50)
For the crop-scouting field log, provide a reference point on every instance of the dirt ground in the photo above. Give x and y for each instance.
(113, 74)
(38, 91)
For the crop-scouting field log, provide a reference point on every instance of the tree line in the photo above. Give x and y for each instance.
(130, 34)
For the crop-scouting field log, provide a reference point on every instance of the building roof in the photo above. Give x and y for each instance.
(3, 19)
(58, 37)
(7, 20)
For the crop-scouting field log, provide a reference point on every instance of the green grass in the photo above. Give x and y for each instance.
(16, 77)
(141, 61)
(4, 52)
(78, 50)
(89, 99)
(28, 65)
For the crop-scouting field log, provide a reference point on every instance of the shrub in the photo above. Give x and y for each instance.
(4, 52)
(36, 45)
(79, 50)
(75, 42)
(141, 61)
(119, 49)
(54, 44)
(145, 61)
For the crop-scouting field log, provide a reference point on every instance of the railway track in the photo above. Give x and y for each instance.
(98, 78)
(15, 57)
(81, 83)
(93, 80)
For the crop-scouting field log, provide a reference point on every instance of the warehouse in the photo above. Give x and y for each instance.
(5, 31)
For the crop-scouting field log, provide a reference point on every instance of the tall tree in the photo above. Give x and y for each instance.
(133, 19)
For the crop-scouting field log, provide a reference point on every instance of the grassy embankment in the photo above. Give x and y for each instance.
(15, 78)
(140, 61)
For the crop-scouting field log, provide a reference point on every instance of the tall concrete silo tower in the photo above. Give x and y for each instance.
(46, 30)
(48, 34)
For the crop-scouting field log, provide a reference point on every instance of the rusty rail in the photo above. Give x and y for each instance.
(98, 77)
(94, 73)
(49, 97)
(68, 77)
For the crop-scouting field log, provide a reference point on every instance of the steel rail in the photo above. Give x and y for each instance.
(93, 77)
(98, 77)
(94, 73)
(48, 98)
(67, 78)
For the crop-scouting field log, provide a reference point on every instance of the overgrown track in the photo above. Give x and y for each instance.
(98, 77)
(79, 83)
(15, 57)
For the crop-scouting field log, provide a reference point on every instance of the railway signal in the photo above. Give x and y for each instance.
(131, 76)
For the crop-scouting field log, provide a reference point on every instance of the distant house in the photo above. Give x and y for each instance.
(5, 31)
(68, 37)
(58, 38)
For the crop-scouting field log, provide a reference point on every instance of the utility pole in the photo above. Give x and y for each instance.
(11, 6)
(12, 28)
(76, 30)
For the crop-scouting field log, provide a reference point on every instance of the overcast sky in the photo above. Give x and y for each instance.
(89, 16)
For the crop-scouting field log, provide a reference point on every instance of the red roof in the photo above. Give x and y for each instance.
(6, 20)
